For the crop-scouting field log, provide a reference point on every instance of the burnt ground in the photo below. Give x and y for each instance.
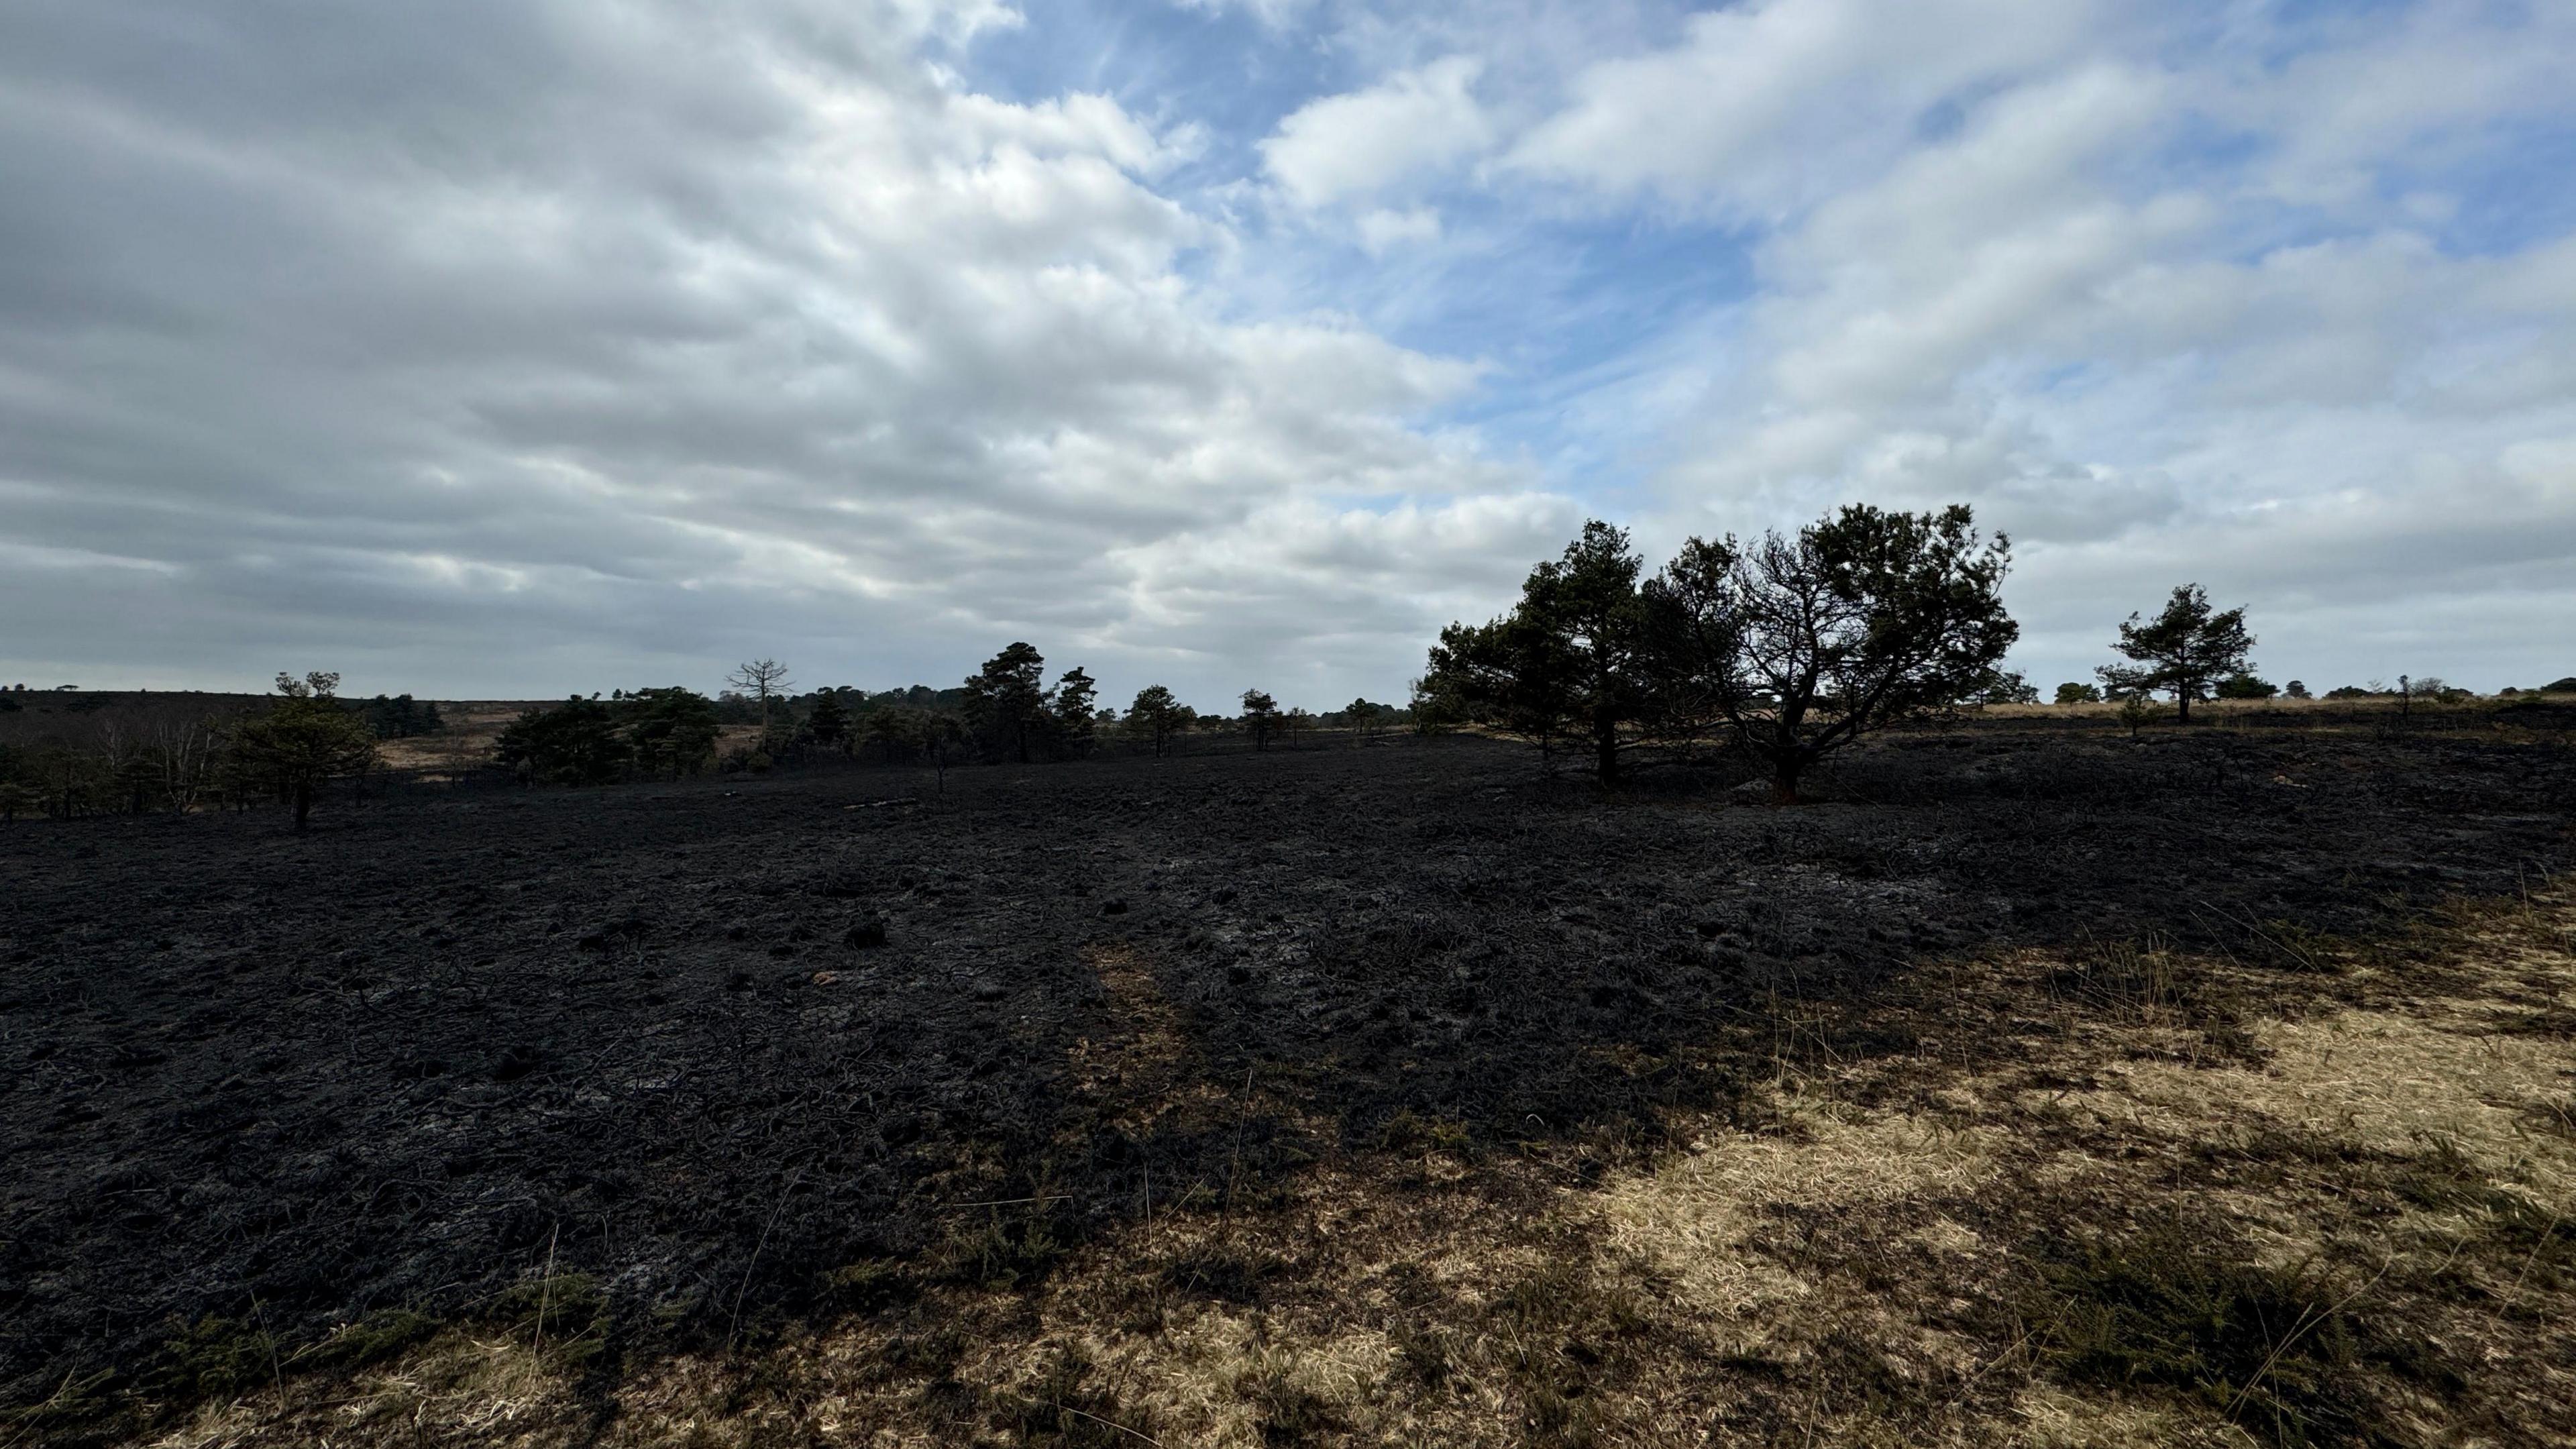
(649, 1035)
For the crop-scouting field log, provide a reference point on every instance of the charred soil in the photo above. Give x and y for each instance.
(705, 1063)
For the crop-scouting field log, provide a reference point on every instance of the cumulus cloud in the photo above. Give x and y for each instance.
(554, 344)
(2162, 307)
(517, 346)
(1365, 141)
(1769, 105)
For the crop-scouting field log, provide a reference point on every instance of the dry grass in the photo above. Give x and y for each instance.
(2121, 1199)
(473, 727)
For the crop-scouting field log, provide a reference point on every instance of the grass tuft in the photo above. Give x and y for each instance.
(2278, 1352)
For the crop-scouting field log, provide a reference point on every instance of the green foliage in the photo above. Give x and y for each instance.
(217, 1358)
(304, 741)
(574, 743)
(1800, 645)
(892, 729)
(372, 1339)
(2295, 689)
(1573, 657)
(670, 731)
(1158, 716)
(2348, 691)
(828, 724)
(2073, 692)
(1073, 708)
(2432, 687)
(400, 718)
(1261, 717)
(1508, 674)
(2277, 1352)
(1366, 718)
(1795, 646)
(2185, 650)
(2007, 686)
(2242, 685)
(566, 1315)
(1006, 701)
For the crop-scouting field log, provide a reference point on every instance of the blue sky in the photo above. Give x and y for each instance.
(517, 346)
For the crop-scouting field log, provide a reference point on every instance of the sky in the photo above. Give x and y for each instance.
(512, 348)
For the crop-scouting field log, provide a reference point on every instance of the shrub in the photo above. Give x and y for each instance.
(671, 731)
(2006, 686)
(2074, 693)
(575, 743)
(401, 717)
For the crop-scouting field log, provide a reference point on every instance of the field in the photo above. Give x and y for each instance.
(2038, 1085)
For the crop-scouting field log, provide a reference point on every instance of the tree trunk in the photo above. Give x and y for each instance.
(2182, 705)
(1784, 780)
(1605, 746)
(303, 805)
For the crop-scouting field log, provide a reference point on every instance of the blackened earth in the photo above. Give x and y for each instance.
(716, 1045)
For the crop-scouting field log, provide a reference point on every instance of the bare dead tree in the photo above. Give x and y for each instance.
(762, 679)
(185, 752)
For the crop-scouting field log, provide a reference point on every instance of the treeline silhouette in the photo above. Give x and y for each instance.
(142, 753)
(1786, 648)
(1007, 711)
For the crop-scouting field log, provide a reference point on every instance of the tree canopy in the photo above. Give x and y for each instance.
(1260, 717)
(672, 731)
(1158, 715)
(1006, 702)
(304, 741)
(575, 743)
(1793, 646)
(1574, 657)
(2186, 650)
(1801, 644)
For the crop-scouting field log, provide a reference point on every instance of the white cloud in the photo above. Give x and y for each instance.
(2144, 376)
(2431, 82)
(1771, 105)
(1367, 141)
(639, 333)
(1274, 13)
(789, 347)
(1383, 230)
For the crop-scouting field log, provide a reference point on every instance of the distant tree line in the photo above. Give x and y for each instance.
(175, 760)
(2192, 652)
(1786, 648)
(1789, 647)
(1007, 712)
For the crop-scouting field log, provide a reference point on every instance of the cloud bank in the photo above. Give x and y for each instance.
(518, 347)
